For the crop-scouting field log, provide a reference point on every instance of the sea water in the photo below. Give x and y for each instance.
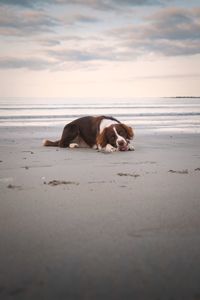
(145, 114)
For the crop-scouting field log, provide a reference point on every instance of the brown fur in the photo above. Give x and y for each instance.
(101, 138)
(129, 131)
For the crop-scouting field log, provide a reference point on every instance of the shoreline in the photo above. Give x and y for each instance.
(79, 224)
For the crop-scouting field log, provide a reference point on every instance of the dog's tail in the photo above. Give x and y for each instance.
(50, 143)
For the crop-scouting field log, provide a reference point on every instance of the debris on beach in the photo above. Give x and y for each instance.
(197, 169)
(25, 167)
(179, 171)
(27, 151)
(60, 182)
(12, 186)
(128, 174)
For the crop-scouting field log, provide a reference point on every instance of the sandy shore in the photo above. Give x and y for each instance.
(79, 224)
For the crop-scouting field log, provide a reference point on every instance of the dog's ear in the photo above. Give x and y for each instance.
(129, 131)
(102, 138)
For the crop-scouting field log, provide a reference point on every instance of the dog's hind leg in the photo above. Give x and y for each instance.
(70, 132)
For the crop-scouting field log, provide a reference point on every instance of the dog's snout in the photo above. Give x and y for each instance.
(121, 143)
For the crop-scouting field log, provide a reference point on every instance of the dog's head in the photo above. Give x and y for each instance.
(117, 135)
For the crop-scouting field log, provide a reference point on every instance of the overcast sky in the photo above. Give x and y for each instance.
(99, 48)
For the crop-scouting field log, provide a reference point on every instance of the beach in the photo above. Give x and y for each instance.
(119, 220)
(82, 224)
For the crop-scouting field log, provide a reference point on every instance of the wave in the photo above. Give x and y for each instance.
(97, 106)
(171, 114)
(145, 113)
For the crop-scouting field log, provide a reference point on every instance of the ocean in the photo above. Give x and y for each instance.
(144, 114)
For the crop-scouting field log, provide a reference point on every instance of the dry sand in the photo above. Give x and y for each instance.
(79, 224)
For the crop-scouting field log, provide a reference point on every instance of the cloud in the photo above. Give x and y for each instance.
(79, 18)
(84, 55)
(49, 41)
(31, 22)
(184, 24)
(25, 3)
(112, 4)
(95, 4)
(30, 63)
(140, 2)
(170, 31)
(166, 76)
(17, 23)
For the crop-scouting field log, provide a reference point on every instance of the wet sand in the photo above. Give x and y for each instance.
(80, 224)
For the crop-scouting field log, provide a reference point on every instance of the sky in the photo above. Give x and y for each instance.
(99, 48)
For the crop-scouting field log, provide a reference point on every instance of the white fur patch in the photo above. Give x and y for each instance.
(110, 148)
(78, 142)
(73, 145)
(106, 123)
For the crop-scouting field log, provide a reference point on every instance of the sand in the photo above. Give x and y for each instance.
(79, 224)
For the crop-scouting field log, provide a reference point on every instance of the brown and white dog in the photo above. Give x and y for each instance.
(102, 133)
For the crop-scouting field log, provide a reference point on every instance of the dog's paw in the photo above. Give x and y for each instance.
(131, 148)
(109, 148)
(73, 145)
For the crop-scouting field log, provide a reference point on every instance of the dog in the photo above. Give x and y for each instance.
(104, 133)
